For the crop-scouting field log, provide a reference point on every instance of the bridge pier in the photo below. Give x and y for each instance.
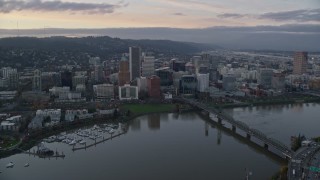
(248, 136)
(206, 113)
(266, 146)
(234, 128)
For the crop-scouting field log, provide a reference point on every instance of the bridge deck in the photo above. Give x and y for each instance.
(243, 126)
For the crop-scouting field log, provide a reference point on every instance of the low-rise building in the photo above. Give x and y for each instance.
(128, 92)
(54, 114)
(72, 115)
(7, 95)
(106, 112)
(70, 97)
(55, 91)
(103, 91)
(11, 124)
(8, 126)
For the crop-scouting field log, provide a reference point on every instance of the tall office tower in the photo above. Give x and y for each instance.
(66, 79)
(188, 84)
(229, 82)
(177, 65)
(147, 66)
(135, 62)
(36, 81)
(300, 62)
(154, 87)
(199, 61)
(265, 77)
(13, 79)
(124, 73)
(98, 74)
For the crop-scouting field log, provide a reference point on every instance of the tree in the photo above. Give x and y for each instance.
(46, 120)
(92, 110)
(115, 113)
(128, 113)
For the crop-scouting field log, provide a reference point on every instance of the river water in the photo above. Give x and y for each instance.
(173, 146)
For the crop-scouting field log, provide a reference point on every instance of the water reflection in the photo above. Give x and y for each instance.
(176, 151)
(206, 129)
(297, 107)
(154, 121)
(219, 136)
(135, 125)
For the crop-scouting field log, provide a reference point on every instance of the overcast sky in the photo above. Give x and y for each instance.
(155, 13)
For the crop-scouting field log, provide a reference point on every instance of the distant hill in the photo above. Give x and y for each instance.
(289, 37)
(102, 44)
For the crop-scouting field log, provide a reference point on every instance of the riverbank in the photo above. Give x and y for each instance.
(136, 110)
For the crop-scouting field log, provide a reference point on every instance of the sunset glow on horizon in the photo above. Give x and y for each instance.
(32, 14)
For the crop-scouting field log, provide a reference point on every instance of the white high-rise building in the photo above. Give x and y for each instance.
(142, 84)
(229, 82)
(36, 81)
(203, 82)
(147, 66)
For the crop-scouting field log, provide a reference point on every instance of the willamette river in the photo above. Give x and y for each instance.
(174, 146)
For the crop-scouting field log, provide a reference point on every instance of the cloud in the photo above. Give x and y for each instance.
(178, 14)
(302, 15)
(231, 15)
(7, 6)
(296, 15)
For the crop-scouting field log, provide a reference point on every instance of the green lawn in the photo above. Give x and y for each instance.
(317, 139)
(9, 143)
(148, 108)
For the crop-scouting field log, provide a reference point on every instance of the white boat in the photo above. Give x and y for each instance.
(60, 138)
(73, 142)
(10, 165)
(27, 165)
(111, 131)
